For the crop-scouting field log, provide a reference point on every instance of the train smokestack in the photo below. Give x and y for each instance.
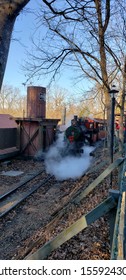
(36, 102)
(75, 118)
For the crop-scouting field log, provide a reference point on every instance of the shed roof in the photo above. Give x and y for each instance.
(7, 121)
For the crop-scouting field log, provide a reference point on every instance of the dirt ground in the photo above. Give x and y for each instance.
(30, 222)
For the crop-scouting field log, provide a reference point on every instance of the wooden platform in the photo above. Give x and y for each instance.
(7, 153)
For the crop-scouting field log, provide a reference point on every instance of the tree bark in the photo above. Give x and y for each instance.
(101, 30)
(9, 10)
(122, 112)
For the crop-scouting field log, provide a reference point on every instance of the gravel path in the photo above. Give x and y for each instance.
(26, 224)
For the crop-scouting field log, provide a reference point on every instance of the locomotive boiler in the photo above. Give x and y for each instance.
(82, 131)
(75, 137)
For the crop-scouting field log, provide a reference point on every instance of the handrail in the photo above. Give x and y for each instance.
(119, 239)
(84, 221)
(74, 229)
(99, 179)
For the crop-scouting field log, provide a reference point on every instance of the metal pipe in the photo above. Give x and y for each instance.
(112, 128)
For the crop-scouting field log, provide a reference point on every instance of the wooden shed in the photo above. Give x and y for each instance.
(35, 132)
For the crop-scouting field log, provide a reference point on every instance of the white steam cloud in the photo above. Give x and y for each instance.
(66, 167)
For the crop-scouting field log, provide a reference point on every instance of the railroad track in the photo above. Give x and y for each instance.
(118, 250)
(54, 217)
(22, 190)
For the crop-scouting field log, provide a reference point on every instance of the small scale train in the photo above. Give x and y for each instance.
(83, 131)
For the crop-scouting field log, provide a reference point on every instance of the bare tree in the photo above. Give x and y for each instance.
(9, 10)
(55, 102)
(80, 36)
(76, 37)
(122, 106)
(11, 101)
(118, 42)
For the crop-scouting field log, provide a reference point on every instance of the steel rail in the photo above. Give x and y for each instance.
(22, 183)
(16, 202)
(109, 204)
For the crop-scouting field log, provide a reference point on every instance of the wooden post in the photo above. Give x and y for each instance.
(18, 144)
(112, 214)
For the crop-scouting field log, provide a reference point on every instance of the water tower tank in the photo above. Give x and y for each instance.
(36, 102)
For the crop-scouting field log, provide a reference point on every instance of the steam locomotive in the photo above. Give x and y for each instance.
(83, 131)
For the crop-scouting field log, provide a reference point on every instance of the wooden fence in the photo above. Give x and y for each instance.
(115, 200)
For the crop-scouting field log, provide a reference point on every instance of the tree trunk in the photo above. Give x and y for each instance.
(101, 31)
(122, 131)
(9, 10)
